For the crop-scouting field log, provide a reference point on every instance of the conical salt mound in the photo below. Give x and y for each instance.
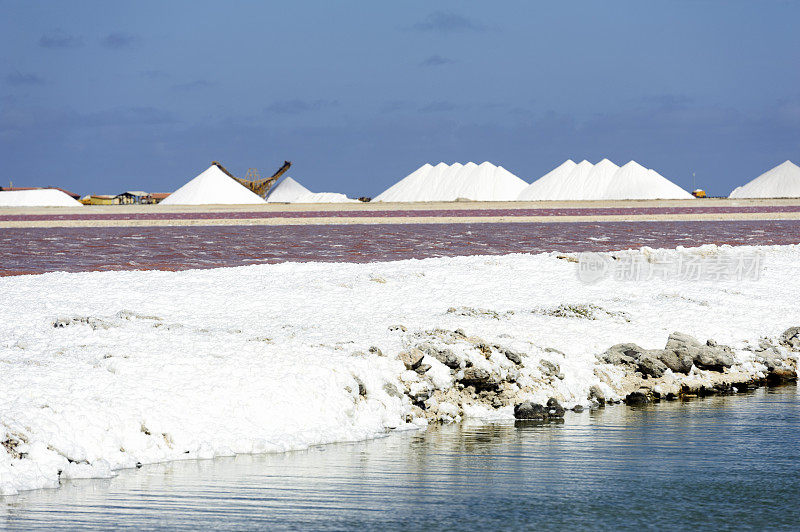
(572, 186)
(414, 180)
(287, 191)
(443, 182)
(290, 191)
(212, 187)
(634, 181)
(40, 197)
(598, 180)
(543, 187)
(602, 181)
(783, 181)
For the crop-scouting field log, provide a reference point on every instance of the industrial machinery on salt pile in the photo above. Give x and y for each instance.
(253, 181)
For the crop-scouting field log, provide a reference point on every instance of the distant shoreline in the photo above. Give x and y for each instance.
(707, 209)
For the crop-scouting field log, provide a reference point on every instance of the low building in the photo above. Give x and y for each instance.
(158, 197)
(100, 199)
(134, 197)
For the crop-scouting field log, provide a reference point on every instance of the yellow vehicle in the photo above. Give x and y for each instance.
(699, 193)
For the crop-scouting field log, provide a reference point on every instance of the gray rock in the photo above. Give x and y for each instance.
(549, 369)
(554, 408)
(479, 378)
(412, 358)
(772, 360)
(596, 393)
(706, 356)
(650, 366)
(375, 351)
(513, 356)
(791, 338)
(714, 358)
(528, 410)
(577, 409)
(460, 332)
(622, 354)
(677, 361)
(637, 398)
(422, 368)
(445, 356)
(679, 340)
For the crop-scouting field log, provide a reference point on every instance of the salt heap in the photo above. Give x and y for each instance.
(212, 187)
(40, 197)
(783, 181)
(634, 181)
(603, 181)
(443, 182)
(551, 181)
(290, 191)
(599, 179)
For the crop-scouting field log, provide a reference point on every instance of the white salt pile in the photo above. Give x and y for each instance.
(290, 191)
(212, 187)
(443, 182)
(634, 181)
(41, 197)
(783, 181)
(599, 179)
(603, 181)
(548, 182)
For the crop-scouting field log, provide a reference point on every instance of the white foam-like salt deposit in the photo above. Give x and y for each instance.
(204, 363)
(603, 181)
(443, 182)
(290, 191)
(41, 197)
(212, 187)
(783, 181)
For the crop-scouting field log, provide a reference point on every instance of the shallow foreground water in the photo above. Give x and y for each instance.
(723, 463)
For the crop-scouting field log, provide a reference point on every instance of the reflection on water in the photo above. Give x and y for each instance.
(38, 250)
(722, 463)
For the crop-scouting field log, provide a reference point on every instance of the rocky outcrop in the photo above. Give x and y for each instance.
(679, 355)
(709, 356)
(490, 375)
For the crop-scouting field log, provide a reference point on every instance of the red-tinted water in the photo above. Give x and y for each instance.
(587, 211)
(37, 250)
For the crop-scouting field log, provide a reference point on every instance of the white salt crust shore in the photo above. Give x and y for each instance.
(107, 370)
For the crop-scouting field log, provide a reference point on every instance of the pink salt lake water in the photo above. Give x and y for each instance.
(73, 249)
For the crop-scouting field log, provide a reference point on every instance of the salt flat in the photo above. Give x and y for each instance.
(107, 370)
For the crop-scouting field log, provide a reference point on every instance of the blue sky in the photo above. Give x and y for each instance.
(107, 96)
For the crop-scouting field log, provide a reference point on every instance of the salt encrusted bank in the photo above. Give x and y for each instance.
(108, 370)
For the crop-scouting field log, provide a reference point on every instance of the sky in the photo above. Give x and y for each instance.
(105, 96)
